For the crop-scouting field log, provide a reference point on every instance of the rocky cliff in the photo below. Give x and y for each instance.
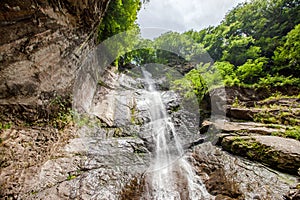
(42, 44)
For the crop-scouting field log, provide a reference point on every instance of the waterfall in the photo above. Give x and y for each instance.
(170, 176)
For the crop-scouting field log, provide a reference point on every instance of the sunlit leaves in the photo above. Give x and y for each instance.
(240, 49)
(227, 72)
(253, 40)
(120, 16)
(180, 44)
(288, 55)
(114, 28)
(251, 70)
(248, 38)
(192, 84)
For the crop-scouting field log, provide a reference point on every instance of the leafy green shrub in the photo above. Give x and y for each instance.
(278, 80)
(251, 70)
(198, 81)
(228, 73)
(191, 84)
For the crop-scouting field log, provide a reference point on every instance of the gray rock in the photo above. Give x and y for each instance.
(242, 113)
(45, 46)
(278, 153)
(242, 128)
(88, 167)
(232, 177)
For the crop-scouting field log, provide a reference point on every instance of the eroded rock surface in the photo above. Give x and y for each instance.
(23, 152)
(254, 120)
(110, 150)
(90, 166)
(229, 177)
(242, 128)
(42, 45)
(279, 153)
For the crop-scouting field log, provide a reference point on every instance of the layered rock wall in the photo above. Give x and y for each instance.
(42, 44)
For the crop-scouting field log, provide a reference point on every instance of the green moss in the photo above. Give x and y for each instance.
(89, 121)
(271, 119)
(252, 149)
(82, 121)
(276, 126)
(62, 119)
(236, 103)
(5, 126)
(33, 192)
(175, 109)
(265, 117)
(277, 95)
(71, 177)
(294, 121)
(292, 132)
(277, 117)
(132, 117)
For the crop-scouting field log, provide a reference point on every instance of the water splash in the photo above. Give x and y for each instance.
(170, 176)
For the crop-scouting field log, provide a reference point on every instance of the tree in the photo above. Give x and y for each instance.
(239, 49)
(120, 16)
(118, 31)
(287, 57)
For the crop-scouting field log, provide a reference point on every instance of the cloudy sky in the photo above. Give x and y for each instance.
(182, 15)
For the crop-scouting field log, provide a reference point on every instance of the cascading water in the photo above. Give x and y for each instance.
(170, 176)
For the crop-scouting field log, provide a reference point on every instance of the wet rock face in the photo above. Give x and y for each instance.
(42, 43)
(229, 177)
(103, 156)
(121, 103)
(107, 158)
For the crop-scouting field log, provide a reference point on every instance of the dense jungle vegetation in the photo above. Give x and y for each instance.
(256, 45)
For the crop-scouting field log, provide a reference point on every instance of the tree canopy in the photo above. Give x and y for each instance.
(120, 16)
(256, 44)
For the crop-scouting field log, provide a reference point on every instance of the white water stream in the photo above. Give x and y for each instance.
(170, 177)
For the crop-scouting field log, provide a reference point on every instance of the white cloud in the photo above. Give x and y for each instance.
(183, 15)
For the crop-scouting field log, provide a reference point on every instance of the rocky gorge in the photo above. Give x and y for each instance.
(49, 152)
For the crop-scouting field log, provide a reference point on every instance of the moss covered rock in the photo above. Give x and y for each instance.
(278, 153)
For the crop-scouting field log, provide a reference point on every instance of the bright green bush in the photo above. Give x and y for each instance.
(120, 16)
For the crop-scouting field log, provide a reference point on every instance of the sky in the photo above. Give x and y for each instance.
(159, 16)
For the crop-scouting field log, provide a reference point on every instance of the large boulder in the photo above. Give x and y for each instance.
(279, 153)
(232, 177)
